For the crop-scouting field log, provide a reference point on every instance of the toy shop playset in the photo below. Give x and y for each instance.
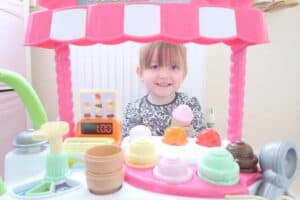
(46, 159)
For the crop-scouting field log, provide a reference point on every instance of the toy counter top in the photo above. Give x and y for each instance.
(128, 190)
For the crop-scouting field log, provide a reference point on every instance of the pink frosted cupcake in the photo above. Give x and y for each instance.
(172, 170)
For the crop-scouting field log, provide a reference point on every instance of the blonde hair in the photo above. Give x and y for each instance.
(168, 54)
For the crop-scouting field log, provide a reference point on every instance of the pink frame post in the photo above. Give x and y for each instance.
(64, 85)
(236, 92)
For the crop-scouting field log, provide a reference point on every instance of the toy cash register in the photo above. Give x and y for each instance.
(98, 115)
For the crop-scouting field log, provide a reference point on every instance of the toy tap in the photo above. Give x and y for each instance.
(2, 187)
(57, 170)
(57, 161)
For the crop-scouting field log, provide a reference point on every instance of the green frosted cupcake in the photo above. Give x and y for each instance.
(219, 167)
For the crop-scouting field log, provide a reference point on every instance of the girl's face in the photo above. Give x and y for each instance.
(162, 81)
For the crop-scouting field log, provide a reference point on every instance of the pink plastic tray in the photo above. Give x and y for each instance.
(144, 178)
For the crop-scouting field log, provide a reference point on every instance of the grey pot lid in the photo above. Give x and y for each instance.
(24, 140)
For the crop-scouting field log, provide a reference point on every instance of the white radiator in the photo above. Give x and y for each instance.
(102, 67)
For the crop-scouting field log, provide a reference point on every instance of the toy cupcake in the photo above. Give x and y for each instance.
(139, 131)
(172, 170)
(141, 153)
(244, 156)
(218, 167)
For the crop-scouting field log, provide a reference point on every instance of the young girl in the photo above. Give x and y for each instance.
(162, 68)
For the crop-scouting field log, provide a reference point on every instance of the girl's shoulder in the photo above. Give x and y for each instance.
(136, 104)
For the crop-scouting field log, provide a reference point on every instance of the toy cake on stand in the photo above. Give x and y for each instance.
(179, 165)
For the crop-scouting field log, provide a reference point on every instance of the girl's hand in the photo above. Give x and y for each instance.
(189, 130)
(187, 127)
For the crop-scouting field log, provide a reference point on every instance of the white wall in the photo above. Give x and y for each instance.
(272, 93)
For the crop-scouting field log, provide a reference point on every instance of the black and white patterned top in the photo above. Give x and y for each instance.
(158, 117)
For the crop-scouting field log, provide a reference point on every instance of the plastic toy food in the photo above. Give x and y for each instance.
(244, 156)
(209, 138)
(218, 167)
(175, 136)
(172, 170)
(182, 116)
(141, 154)
(139, 131)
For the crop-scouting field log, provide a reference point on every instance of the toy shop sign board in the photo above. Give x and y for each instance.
(97, 104)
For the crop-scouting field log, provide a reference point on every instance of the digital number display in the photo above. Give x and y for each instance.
(97, 128)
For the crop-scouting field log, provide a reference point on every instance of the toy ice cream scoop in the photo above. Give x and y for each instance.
(141, 154)
(209, 138)
(182, 116)
(175, 136)
(218, 167)
(139, 131)
(244, 156)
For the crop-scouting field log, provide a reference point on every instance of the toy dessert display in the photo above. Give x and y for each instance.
(98, 116)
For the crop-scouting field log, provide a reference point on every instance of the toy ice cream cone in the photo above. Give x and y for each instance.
(182, 116)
